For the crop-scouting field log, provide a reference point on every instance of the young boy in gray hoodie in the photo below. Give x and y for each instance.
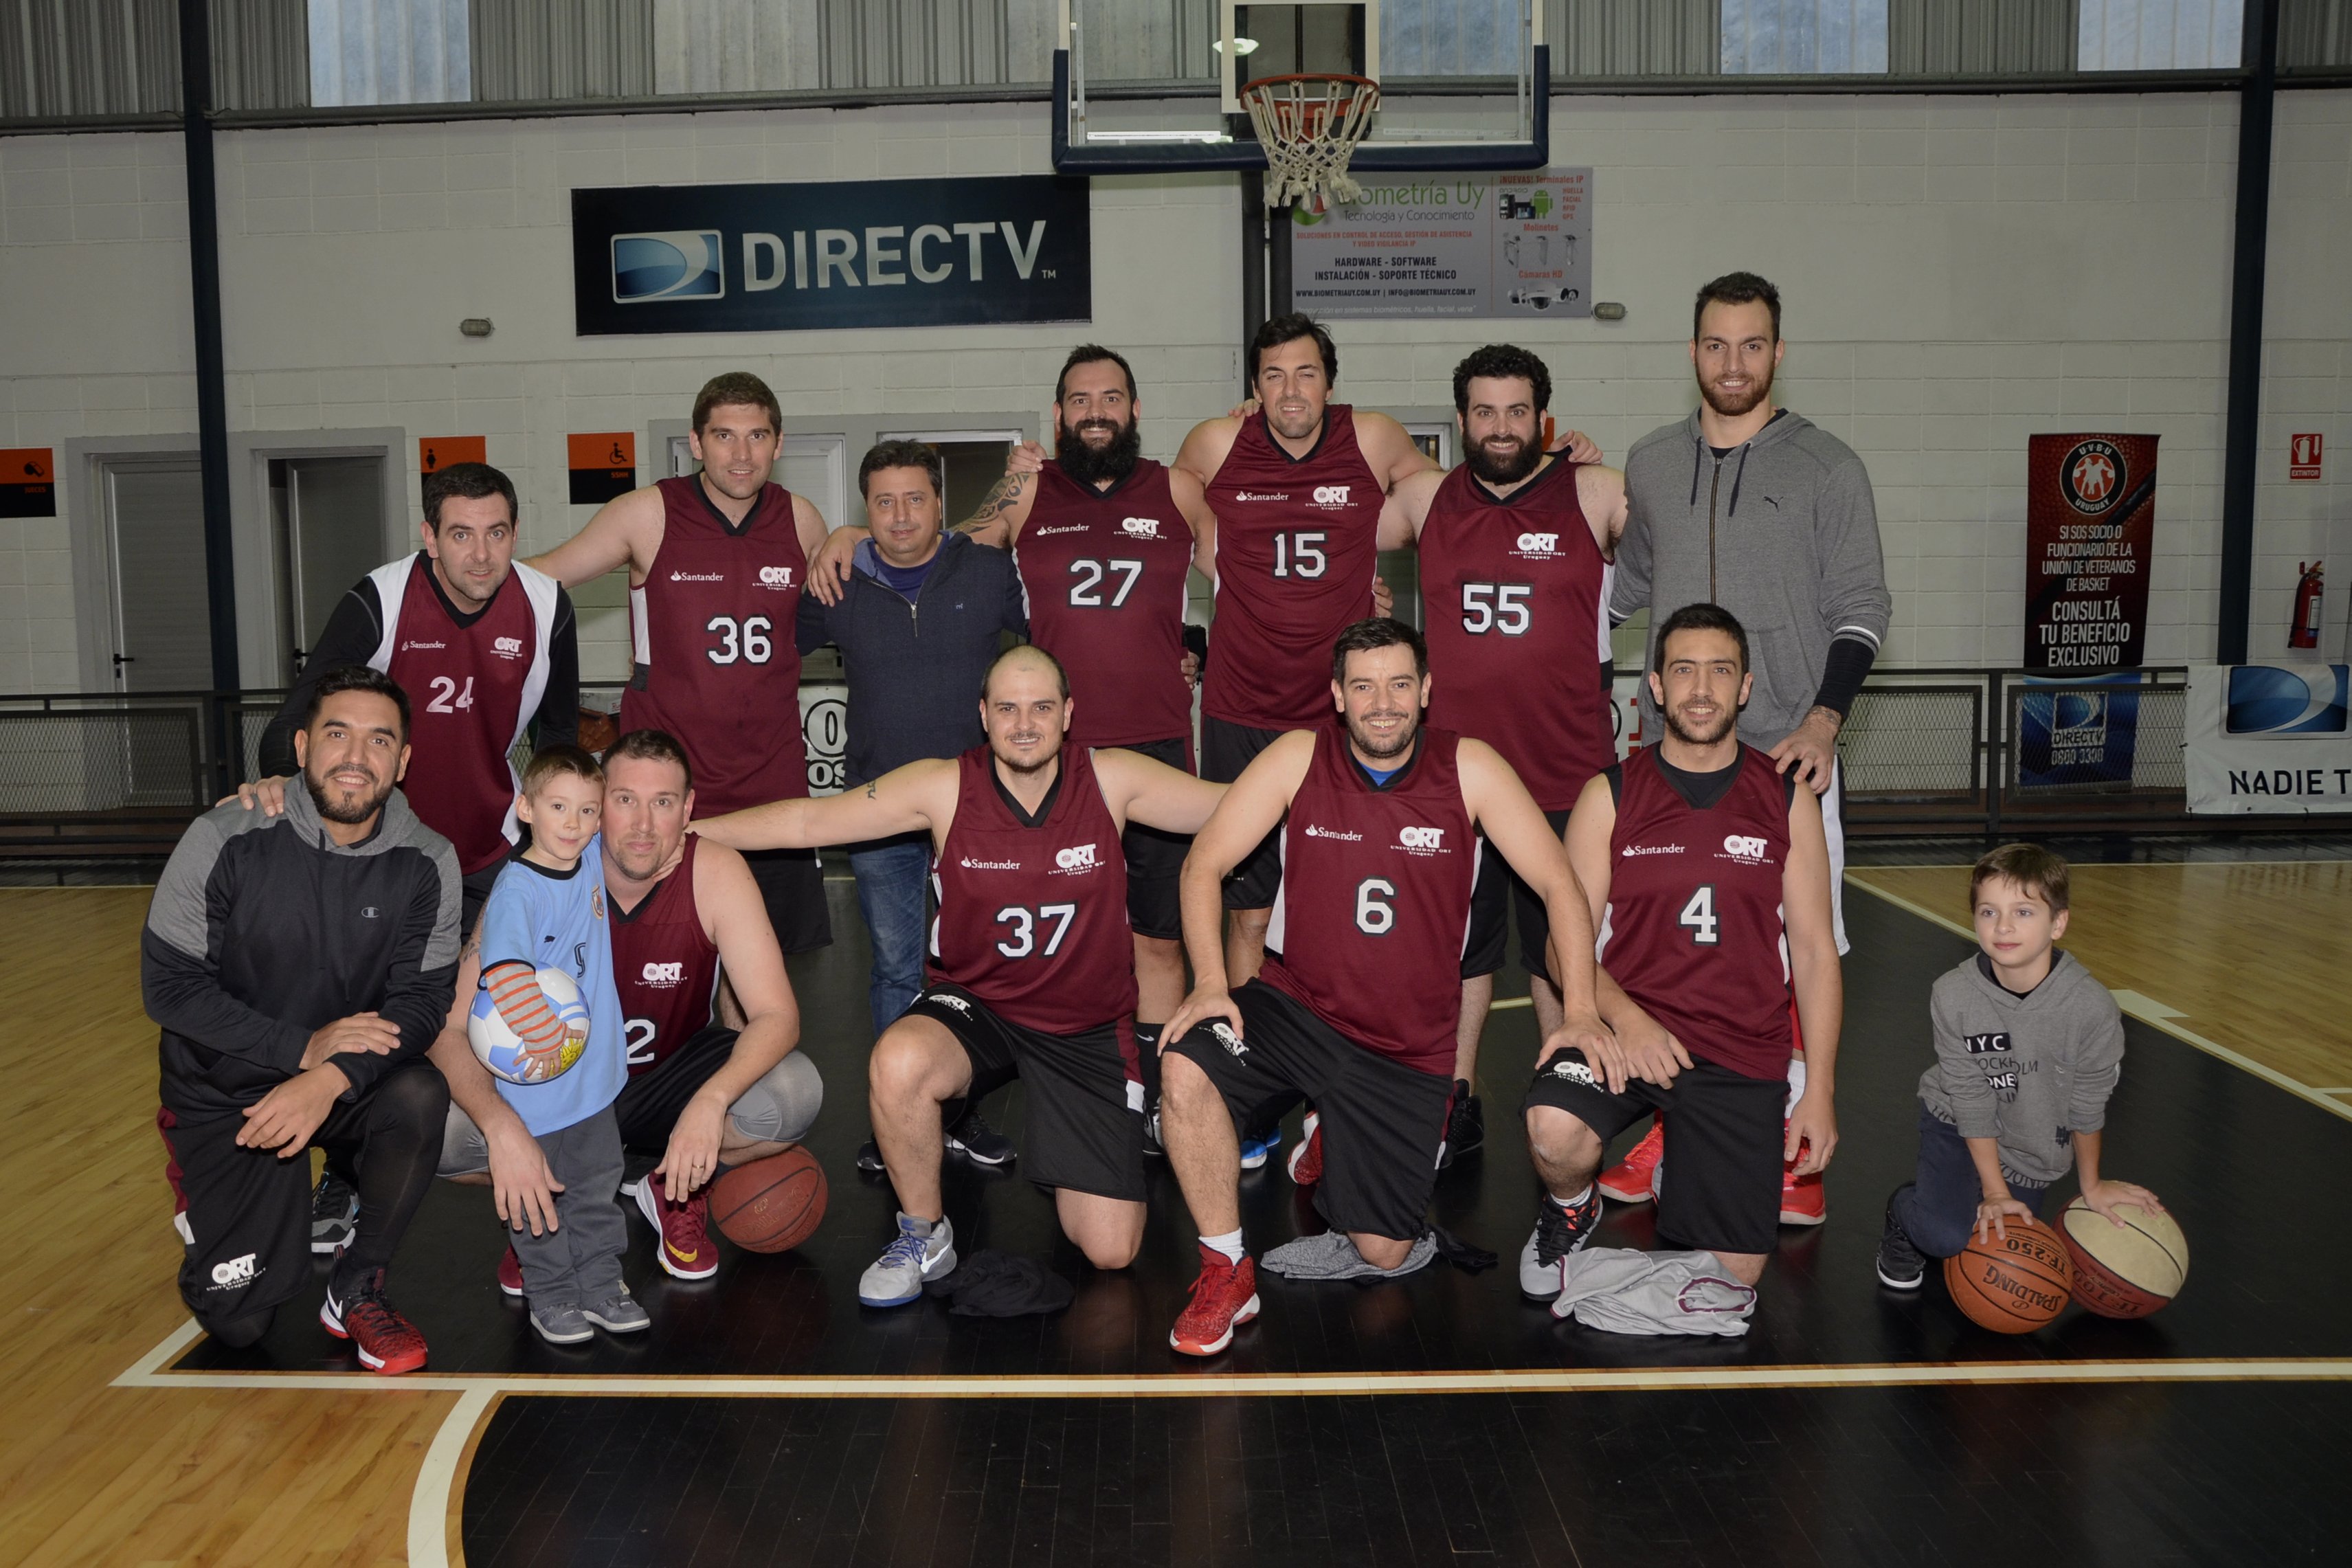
(2028, 1048)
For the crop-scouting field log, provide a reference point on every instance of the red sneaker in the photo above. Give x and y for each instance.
(1224, 1297)
(510, 1275)
(687, 1250)
(1305, 1162)
(1634, 1179)
(386, 1342)
(1803, 1199)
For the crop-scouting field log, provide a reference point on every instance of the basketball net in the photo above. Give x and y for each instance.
(1309, 126)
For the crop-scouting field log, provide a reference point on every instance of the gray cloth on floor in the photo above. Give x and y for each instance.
(1628, 1292)
(1331, 1256)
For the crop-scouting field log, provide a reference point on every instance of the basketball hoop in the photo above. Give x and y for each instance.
(1309, 125)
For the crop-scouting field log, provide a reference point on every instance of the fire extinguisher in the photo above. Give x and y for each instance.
(2304, 631)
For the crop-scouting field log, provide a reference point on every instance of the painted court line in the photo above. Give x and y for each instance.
(428, 1503)
(2148, 1010)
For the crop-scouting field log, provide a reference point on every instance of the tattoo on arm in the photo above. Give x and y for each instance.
(1003, 498)
(871, 788)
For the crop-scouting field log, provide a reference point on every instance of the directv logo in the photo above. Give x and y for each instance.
(681, 264)
(2267, 699)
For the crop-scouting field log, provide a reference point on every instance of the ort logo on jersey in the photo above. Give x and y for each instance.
(1331, 495)
(1075, 857)
(776, 576)
(1539, 544)
(1140, 526)
(1424, 838)
(507, 648)
(662, 974)
(1739, 848)
(237, 1271)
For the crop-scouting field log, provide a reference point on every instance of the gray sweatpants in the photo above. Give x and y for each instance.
(580, 1260)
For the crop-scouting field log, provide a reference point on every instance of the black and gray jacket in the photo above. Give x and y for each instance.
(2030, 1071)
(916, 665)
(1783, 533)
(262, 929)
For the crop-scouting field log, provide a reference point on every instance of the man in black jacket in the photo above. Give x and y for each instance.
(300, 965)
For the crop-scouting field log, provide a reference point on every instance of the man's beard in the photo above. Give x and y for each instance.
(1115, 460)
(1382, 750)
(1489, 469)
(349, 815)
(1030, 769)
(1732, 406)
(1674, 727)
(619, 855)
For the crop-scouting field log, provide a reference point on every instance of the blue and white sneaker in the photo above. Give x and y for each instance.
(1258, 1147)
(923, 1253)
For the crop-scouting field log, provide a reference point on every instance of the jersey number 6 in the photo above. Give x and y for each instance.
(1374, 917)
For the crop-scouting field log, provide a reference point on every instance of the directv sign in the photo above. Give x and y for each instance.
(864, 253)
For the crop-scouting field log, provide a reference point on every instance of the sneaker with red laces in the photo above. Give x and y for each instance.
(1634, 1179)
(510, 1275)
(1224, 1297)
(687, 1250)
(1305, 1162)
(386, 1342)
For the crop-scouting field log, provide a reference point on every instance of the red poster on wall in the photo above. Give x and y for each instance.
(2090, 522)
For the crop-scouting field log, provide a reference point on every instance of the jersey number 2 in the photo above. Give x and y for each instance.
(1699, 916)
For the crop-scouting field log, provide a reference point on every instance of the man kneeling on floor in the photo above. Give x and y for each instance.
(1708, 876)
(300, 965)
(1032, 971)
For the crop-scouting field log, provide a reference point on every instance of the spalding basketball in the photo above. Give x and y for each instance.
(2012, 1286)
(772, 1205)
(2127, 1271)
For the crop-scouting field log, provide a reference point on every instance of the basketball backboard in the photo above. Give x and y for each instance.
(1141, 86)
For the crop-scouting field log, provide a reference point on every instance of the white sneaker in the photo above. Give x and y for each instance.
(923, 1253)
(1559, 1232)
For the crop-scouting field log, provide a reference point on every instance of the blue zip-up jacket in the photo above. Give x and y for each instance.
(916, 665)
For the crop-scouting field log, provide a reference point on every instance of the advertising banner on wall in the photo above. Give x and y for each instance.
(846, 253)
(1449, 245)
(2082, 732)
(824, 734)
(2090, 521)
(2269, 738)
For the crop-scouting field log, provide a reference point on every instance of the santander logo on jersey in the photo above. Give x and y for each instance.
(1261, 495)
(776, 576)
(414, 647)
(697, 576)
(1075, 857)
(662, 976)
(968, 864)
(1314, 832)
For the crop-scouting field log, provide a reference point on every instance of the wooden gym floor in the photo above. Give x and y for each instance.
(1433, 1419)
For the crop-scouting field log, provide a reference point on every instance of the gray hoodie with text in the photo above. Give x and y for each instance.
(2030, 1071)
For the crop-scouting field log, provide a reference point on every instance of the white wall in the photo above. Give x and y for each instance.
(1959, 273)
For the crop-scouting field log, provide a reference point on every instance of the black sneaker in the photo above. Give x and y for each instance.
(1558, 1233)
(869, 1158)
(1151, 1145)
(1901, 1265)
(334, 1212)
(1465, 1127)
(975, 1139)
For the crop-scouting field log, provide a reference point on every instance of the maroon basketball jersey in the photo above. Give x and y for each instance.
(1298, 541)
(716, 663)
(1032, 918)
(1693, 929)
(1103, 573)
(664, 967)
(1511, 587)
(465, 688)
(1375, 900)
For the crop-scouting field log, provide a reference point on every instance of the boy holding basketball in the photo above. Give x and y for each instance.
(2028, 1048)
(547, 911)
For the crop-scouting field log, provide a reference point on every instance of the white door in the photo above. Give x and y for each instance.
(155, 535)
(334, 536)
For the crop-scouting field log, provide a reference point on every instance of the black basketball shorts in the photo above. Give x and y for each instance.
(1383, 1122)
(792, 885)
(1155, 860)
(1225, 750)
(1719, 1180)
(1084, 1097)
(1498, 891)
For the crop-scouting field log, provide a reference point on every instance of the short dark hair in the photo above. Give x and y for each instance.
(2040, 871)
(1022, 650)
(467, 482)
(1700, 619)
(356, 678)
(1737, 288)
(737, 387)
(1093, 354)
(1501, 362)
(555, 761)
(1380, 631)
(651, 746)
(1289, 328)
(904, 454)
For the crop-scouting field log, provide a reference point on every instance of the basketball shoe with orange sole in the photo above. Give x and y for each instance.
(1225, 1296)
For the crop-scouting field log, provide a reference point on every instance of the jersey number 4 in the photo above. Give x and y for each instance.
(746, 640)
(1024, 939)
(1301, 555)
(1087, 592)
(1496, 607)
(1698, 916)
